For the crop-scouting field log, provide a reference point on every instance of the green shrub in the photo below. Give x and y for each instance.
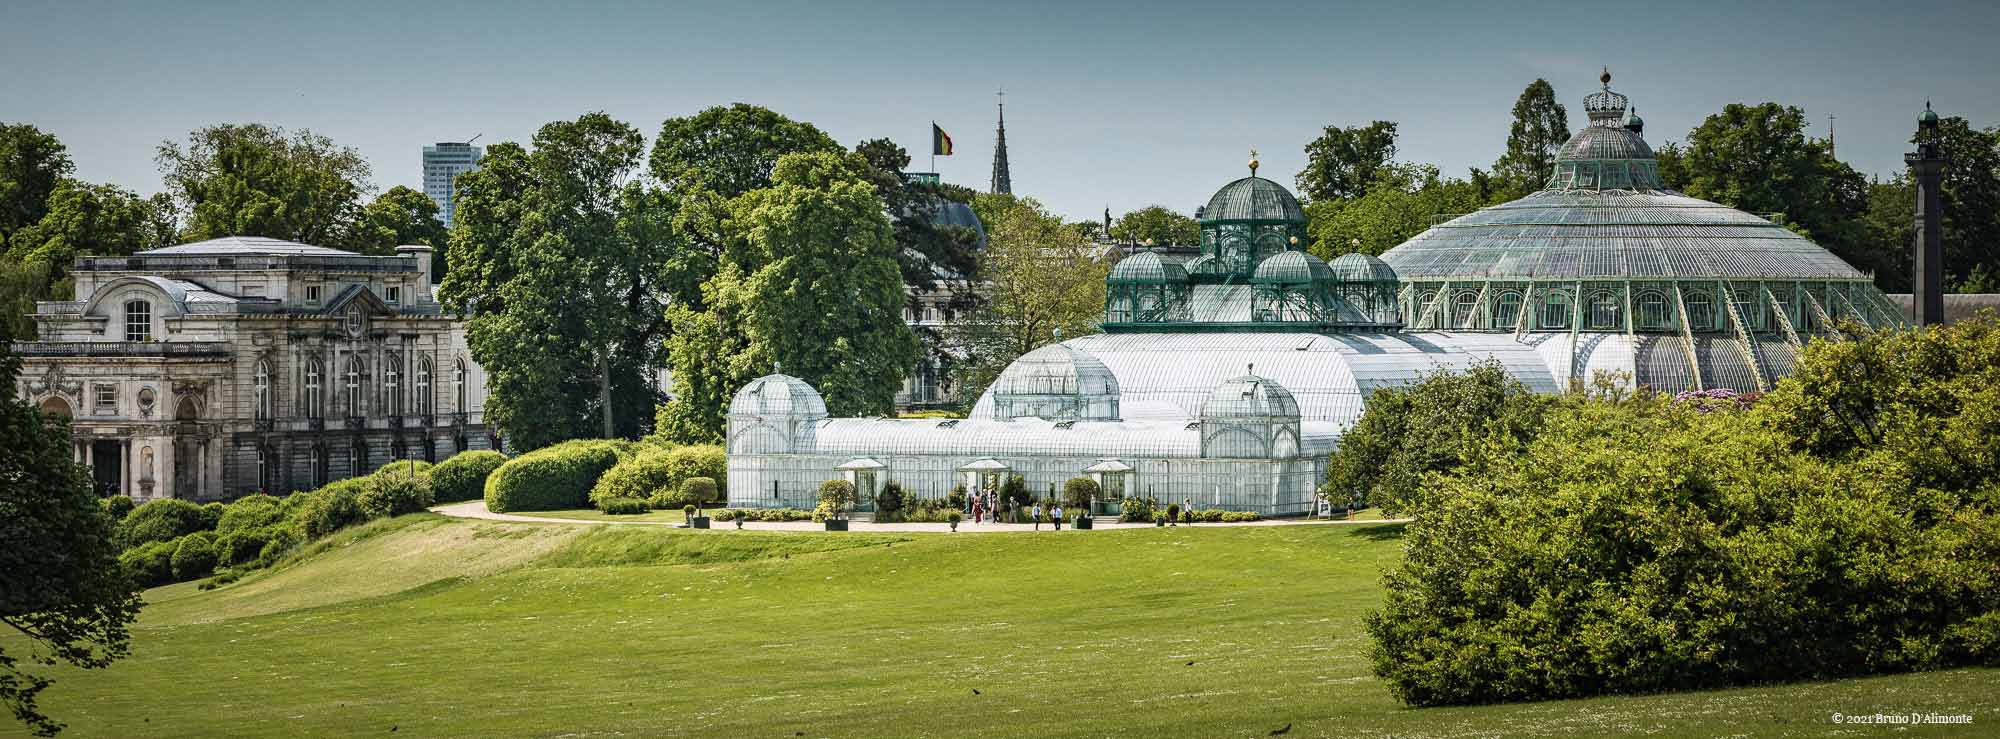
(250, 512)
(194, 557)
(835, 498)
(1137, 510)
(241, 547)
(954, 516)
(211, 515)
(463, 476)
(283, 540)
(889, 502)
(327, 510)
(161, 520)
(654, 474)
(1240, 516)
(115, 506)
(723, 515)
(1015, 493)
(1173, 513)
(150, 564)
(395, 495)
(1078, 493)
(624, 506)
(699, 491)
(763, 514)
(551, 478)
(957, 496)
(1406, 433)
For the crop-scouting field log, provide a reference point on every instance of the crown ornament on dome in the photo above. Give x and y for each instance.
(1253, 162)
(1605, 108)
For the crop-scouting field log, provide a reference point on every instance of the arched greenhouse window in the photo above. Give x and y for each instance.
(138, 320)
(1701, 310)
(1462, 310)
(423, 385)
(315, 405)
(1604, 311)
(1652, 311)
(1556, 311)
(1507, 310)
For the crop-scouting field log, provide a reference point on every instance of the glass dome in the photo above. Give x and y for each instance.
(1056, 382)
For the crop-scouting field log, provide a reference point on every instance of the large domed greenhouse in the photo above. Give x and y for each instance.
(1226, 379)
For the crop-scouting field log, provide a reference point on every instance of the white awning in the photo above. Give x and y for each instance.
(987, 464)
(863, 463)
(1109, 465)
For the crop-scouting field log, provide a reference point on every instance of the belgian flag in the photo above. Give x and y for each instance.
(940, 141)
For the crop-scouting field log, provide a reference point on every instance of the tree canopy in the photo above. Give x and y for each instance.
(730, 150)
(1043, 278)
(61, 587)
(397, 217)
(1341, 164)
(1402, 202)
(1540, 127)
(258, 180)
(32, 164)
(1156, 224)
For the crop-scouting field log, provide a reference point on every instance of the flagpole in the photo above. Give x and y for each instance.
(933, 147)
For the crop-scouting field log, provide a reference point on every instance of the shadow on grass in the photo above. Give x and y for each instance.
(1381, 532)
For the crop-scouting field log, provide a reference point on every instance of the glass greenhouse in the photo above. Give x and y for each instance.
(1226, 380)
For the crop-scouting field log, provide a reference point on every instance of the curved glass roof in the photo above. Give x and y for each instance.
(1253, 198)
(1291, 268)
(1358, 267)
(1146, 268)
(1250, 397)
(777, 395)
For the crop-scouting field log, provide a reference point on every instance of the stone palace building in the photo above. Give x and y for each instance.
(221, 368)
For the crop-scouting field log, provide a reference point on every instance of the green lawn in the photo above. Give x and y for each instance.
(604, 631)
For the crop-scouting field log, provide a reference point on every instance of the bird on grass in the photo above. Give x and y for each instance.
(1281, 731)
(1190, 663)
(975, 691)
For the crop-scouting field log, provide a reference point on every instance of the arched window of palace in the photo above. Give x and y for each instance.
(353, 395)
(138, 320)
(423, 385)
(392, 378)
(261, 381)
(315, 398)
(458, 385)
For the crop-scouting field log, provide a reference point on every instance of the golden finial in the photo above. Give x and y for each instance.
(1295, 241)
(1605, 78)
(1253, 162)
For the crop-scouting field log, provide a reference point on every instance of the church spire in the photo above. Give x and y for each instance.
(1002, 181)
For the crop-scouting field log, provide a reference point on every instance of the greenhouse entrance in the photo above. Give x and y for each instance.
(985, 475)
(864, 474)
(1113, 478)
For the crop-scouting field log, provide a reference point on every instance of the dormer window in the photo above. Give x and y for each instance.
(312, 294)
(395, 295)
(138, 320)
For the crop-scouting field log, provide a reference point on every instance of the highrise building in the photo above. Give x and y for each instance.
(444, 162)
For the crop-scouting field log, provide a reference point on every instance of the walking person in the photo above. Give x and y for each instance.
(976, 509)
(1037, 515)
(1055, 516)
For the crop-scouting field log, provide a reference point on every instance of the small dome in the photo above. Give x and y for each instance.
(1250, 397)
(1056, 382)
(960, 215)
(1928, 116)
(1291, 268)
(1253, 199)
(1146, 268)
(777, 395)
(1358, 267)
(1599, 142)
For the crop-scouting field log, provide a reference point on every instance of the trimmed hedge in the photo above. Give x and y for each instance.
(328, 509)
(463, 477)
(149, 564)
(395, 493)
(657, 475)
(624, 506)
(250, 512)
(763, 514)
(162, 520)
(552, 478)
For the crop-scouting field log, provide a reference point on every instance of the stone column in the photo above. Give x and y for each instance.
(125, 468)
(170, 449)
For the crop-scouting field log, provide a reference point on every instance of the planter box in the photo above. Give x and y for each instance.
(1083, 522)
(836, 524)
(699, 522)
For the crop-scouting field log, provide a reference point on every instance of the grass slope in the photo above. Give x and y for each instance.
(651, 631)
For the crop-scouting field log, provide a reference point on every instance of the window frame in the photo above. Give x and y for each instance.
(138, 320)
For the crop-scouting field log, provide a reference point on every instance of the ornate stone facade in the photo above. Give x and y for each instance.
(216, 369)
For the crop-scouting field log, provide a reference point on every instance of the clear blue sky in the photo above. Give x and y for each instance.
(1118, 104)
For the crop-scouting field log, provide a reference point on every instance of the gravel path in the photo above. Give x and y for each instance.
(477, 509)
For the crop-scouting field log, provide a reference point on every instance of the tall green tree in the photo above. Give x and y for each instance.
(61, 587)
(730, 150)
(1540, 127)
(1044, 278)
(809, 281)
(1341, 163)
(258, 180)
(1403, 201)
(1156, 224)
(1758, 158)
(21, 284)
(32, 164)
(397, 217)
(562, 263)
(82, 219)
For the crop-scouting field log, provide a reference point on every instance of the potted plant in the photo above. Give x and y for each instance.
(739, 520)
(953, 518)
(834, 498)
(1173, 514)
(1077, 496)
(697, 491)
(1159, 519)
